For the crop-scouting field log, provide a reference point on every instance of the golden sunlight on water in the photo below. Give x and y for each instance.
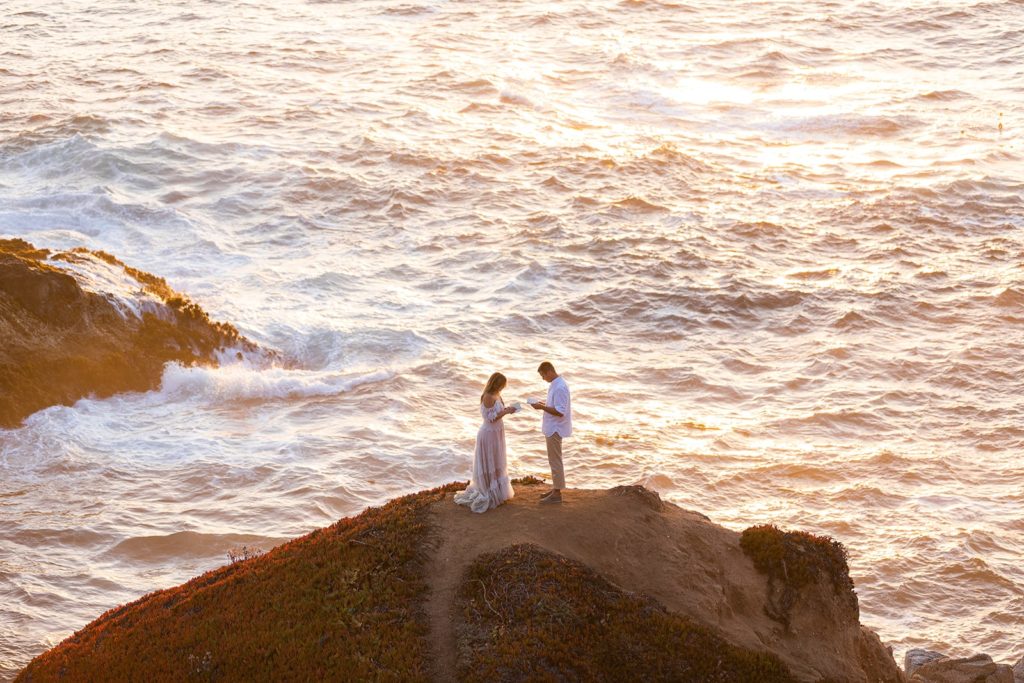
(774, 247)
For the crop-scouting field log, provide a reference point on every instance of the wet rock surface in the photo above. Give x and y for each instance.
(923, 666)
(915, 658)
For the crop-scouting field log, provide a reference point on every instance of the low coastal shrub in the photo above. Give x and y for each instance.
(793, 560)
(529, 614)
(244, 553)
(344, 603)
(528, 481)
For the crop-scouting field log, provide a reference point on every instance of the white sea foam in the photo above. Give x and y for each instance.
(238, 382)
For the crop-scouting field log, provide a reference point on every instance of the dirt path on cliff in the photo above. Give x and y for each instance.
(618, 535)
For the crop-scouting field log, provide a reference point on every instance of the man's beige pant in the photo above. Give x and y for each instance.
(555, 460)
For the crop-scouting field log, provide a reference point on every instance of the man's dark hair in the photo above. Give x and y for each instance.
(546, 367)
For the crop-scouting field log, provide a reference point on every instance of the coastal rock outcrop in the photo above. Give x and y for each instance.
(917, 657)
(925, 666)
(690, 566)
(610, 583)
(82, 323)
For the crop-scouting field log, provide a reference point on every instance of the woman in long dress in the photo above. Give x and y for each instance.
(490, 486)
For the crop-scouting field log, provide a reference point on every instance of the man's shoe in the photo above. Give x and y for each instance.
(552, 499)
(547, 494)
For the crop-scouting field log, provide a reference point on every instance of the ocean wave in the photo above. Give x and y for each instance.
(796, 471)
(816, 274)
(944, 95)
(482, 108)
(983, 543)
(324, 348)
(836, 423)
(852, 320)
(1010, 298)
(639, 205)
(890, 461)
(46, 130)
(744, 367)
(663, 158)
(241, 383)
(75, 538)
(75, 157)
(683, 381)
(982, 576)
(870, 496)
(512, 97)
(408, 10)
(852, 124)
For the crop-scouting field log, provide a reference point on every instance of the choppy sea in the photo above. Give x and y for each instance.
(774, 247)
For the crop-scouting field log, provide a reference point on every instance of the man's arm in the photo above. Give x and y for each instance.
(560, 401)
(540, 405)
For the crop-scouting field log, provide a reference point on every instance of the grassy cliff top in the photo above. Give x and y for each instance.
(609, 584)
(343, 603)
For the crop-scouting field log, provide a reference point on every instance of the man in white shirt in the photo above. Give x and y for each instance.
(556, 425)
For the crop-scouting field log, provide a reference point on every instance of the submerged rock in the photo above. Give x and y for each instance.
(82, 323)
(918, 657)
(975, 669)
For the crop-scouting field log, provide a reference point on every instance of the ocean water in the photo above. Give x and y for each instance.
(775, 247)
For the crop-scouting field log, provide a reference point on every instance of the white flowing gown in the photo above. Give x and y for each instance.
(490, 486)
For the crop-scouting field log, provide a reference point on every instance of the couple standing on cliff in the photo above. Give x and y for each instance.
(491, 486)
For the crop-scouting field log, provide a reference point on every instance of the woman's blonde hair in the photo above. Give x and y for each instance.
(495, 383)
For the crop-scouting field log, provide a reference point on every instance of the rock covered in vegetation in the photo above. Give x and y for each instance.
(530, 614)
(610, 584)
(80, 323)
(340, 604)
(795, 560)
(691, 567)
